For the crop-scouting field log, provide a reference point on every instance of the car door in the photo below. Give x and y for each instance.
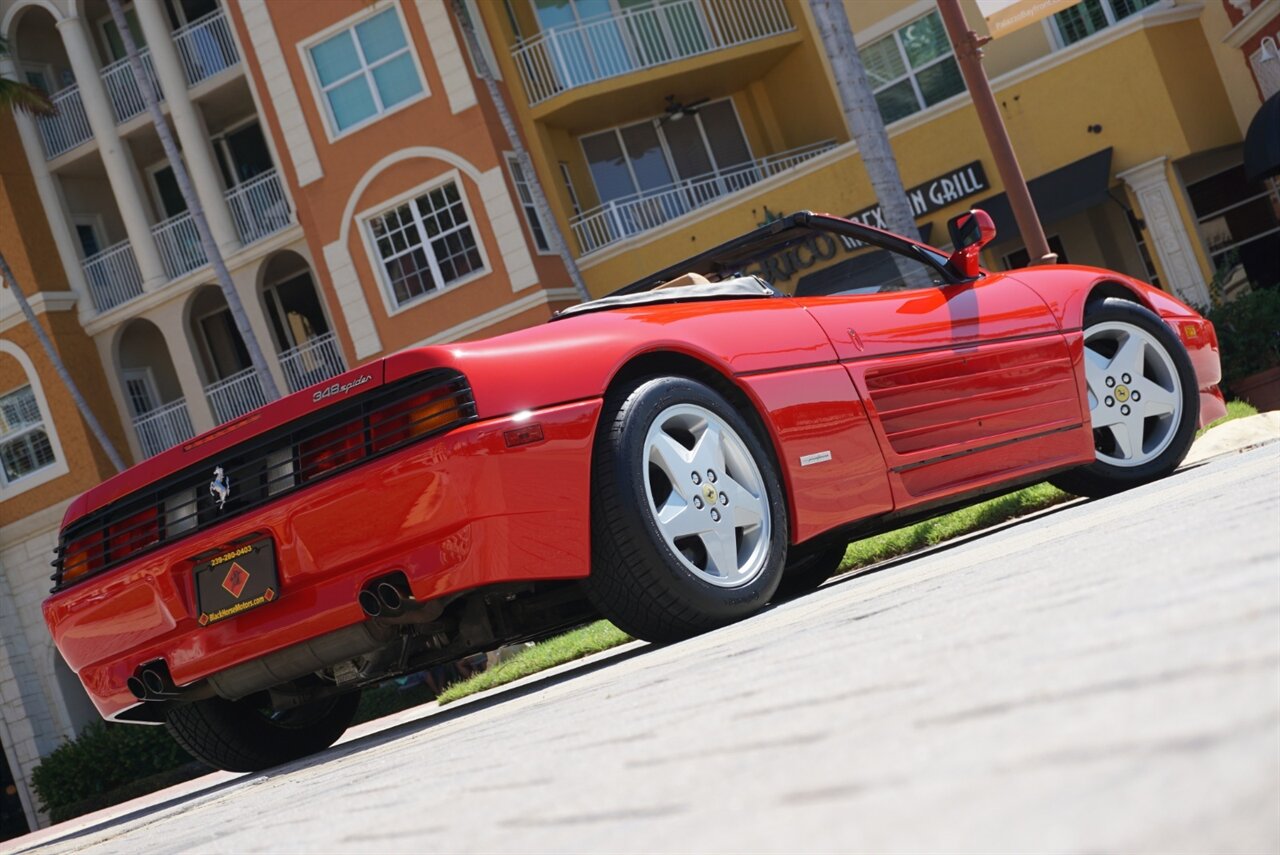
(967, 384)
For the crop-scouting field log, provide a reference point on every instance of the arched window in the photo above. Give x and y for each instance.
(29, 449)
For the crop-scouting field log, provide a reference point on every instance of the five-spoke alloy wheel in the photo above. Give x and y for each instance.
(1144, 402)
(706, 495)
(689, 529)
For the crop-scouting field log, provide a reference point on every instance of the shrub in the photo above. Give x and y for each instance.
(103, 758)
(1248, 333)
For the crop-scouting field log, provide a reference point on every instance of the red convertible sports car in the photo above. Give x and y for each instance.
(672, 457)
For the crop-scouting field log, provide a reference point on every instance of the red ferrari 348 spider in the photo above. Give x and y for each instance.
(672, 457)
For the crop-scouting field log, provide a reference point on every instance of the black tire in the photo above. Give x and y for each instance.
(807, 571)
(637, 580)
(1101, 478)
(236, 736)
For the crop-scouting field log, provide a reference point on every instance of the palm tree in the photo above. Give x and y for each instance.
(862, 115)
(550, 225)
(194, 207)
(25, 98)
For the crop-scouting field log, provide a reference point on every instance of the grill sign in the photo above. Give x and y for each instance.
(968, 180)
(236, 581)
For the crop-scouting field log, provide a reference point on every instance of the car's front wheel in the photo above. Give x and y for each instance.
(1144, 402)
(242, 736)
(689, 529)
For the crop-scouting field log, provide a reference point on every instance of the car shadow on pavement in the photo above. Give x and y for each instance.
(441, 716)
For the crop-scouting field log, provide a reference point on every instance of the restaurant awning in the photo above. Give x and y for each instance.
(1262, 142)
(1059, 194)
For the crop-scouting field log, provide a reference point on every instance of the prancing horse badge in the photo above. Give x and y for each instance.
(220, 487)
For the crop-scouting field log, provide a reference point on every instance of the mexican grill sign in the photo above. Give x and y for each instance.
(933, 195)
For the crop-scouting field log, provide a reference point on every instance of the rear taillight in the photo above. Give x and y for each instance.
(82, 557)
(133, 533)
(415, 417)
(331, 450)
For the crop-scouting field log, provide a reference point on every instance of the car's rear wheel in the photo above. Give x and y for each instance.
(1144, 402)
(689, 529)
(242, 736)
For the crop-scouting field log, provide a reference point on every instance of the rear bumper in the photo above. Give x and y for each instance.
(1201, 342)
(457, 512)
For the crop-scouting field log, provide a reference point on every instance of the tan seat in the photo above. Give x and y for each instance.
(686, 279)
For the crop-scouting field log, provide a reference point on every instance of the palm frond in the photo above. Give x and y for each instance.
(25, 98)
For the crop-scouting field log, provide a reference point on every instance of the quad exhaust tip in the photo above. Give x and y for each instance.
(383, 599)
(369, 603)
(388, 599)
(391, 598)
(151, 682)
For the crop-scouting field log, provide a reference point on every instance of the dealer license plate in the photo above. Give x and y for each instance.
(240, 579)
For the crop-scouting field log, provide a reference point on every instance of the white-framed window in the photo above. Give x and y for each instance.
(1089, 16)
(24, 442)
(654, 155)
(426, 244)
(527, 205)
(912, 68)
(365, 70)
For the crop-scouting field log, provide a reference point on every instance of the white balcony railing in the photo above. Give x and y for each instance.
(236, 395)
(68, 127)
(206, 47)
(312, 361)
(113, 276)
(163, 427)
(640, 37)
(178, 240)
(630, 215)
(122, 89)
(259, 207)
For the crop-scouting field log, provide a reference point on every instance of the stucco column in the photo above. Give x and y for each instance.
(196, 150)
(1174, 247)
(115, 156)
(181, 346)
(51, 200)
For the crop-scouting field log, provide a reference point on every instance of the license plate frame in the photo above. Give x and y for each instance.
(238, 580)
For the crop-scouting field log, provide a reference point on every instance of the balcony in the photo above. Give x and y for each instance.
(68, 127)
(313, 361)
(122, 89)
(640, 37)
(232, 397)
(113, 276)
(163, 427)
(630, 215)
(206, 47)
(259, 207)
(179, 243)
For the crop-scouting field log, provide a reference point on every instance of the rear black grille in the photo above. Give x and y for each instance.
(264, 469)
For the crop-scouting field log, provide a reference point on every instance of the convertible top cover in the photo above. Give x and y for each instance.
(736, 288)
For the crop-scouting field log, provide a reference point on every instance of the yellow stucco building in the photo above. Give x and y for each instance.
(662, 129)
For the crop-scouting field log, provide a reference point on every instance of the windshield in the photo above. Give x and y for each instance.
(809, 254)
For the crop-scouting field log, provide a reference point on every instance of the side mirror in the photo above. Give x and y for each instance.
(970, 232)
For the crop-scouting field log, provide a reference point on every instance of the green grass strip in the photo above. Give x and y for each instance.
(575, 644)
(603, 635)
(1235, 410)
